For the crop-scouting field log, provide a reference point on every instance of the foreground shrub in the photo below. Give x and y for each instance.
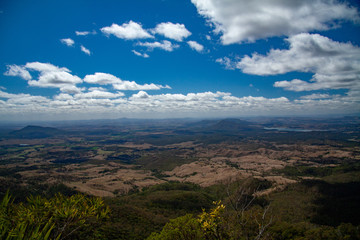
(59, 217)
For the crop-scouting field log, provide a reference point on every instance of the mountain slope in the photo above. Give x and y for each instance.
(32, 132)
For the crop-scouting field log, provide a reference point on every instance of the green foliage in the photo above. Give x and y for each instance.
(295, 203)
(168, 186)
(318, 202)
(163, 160)
(321, 172)
(306, 231)
(158, 208)
(337, 203)
(127, 221)
(173, 197)
(182, 228)
(210, 222)
(206, 226)
(20, 191)
(137, 215)
(215, 224)
(56, 218)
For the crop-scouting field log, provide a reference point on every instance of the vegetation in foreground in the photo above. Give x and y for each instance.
(322, 208)
(59, 217)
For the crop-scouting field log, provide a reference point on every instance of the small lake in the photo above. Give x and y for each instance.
(295, 130)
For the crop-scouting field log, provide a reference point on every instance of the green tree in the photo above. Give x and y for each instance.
(182, 228)
(206, 226)
(216, 224)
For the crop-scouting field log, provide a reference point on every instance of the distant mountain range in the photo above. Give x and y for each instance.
(233, 125)
(33, 132)
(224, 125)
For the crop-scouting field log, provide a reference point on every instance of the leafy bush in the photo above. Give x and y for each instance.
(56, 218)
(206, 226)
(182, 228)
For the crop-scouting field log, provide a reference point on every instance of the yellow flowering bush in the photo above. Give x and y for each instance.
(210, 221)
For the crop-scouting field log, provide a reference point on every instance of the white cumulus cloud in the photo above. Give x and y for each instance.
(97, 93)
(21, 99)
(85, 33)
(49, 75)
(117, 83)
(55, 79)
(15, 70)
(242, 20)
(99, 102)
(195, 46)
(71, 89)
(175, 31)
(144, 55)
(85, 50)
(131, 85)
(128, 31)
(102, 78)
(140, 95)
(227, 62)
(164, 45)
(335, 65)
(67, 41)
(45, 67)
(317, 96)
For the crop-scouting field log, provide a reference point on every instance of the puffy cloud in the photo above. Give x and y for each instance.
(22, 99)
(164, 45)
(63, 96)
(241, 20)
(102, 78)
(227, 62)
(55, 79)
(71, 89)
(300, 85)
(296, 85)
(129, 31)
(195, 46)
(98, 93)
(215, 103)
(45, 67)
(49, 75)
(306, 53)
(316, 96)
(97, 88)
(67, 41)
(140, 95)
(52, 76)
(99, 103)
(84, 33)
(144, 55)
(10, 95)
(117, 83)
(85, 50)
(14, 70)
(175, 31)
(176, 99)
(131, 85)
(336, 65)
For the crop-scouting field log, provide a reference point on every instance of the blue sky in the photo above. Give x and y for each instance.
(178, 58)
